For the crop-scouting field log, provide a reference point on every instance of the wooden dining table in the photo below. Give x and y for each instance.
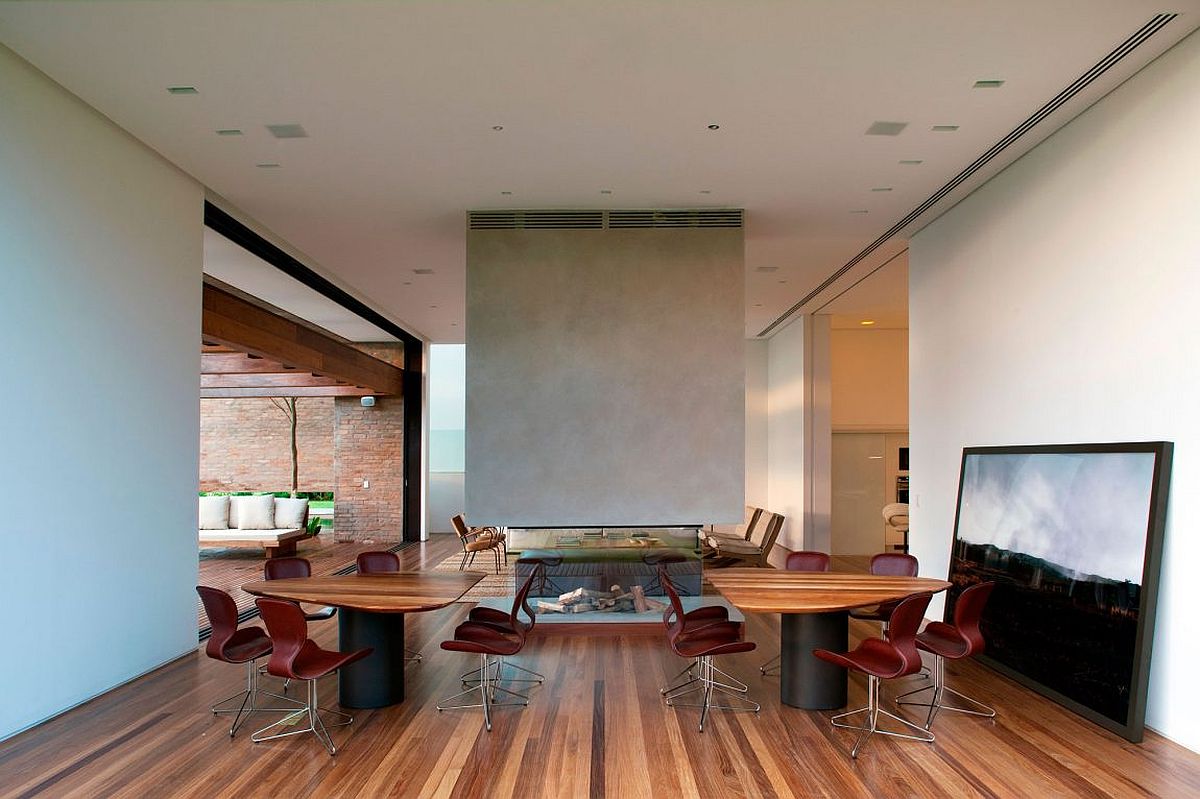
(814, 609)
(371, 610)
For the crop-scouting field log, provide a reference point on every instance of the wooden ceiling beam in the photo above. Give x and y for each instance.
(266, 381)
(285, 391)
(238, 363)
(233, 322)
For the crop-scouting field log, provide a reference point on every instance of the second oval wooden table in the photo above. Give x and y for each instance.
(371, 610)
(814, 613)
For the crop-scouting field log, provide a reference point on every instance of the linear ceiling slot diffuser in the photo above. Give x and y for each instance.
(605, 220)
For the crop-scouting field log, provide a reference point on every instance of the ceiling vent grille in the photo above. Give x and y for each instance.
(604, 220)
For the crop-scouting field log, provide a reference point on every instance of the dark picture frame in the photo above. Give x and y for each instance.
(1081, 638)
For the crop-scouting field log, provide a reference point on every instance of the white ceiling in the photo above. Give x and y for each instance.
(400, 99)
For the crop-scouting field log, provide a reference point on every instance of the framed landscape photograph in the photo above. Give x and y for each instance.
(1072, 536)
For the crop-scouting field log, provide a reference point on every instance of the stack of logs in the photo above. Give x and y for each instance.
(614, 600)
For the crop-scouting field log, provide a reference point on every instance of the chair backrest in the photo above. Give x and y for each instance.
(460, 525)
(286, 568)
(902, 630)
(895, 515)
(807, 561)
(894, 564)
(968, 609)
(222, 617)
(289, 633)
(521, 600)
(773, 526)
(377, 562)
(675, 608)
(756, 528)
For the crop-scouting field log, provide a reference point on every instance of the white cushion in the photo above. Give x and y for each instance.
(269, 536)
(256, 513)
(214, 513)
(289, 513)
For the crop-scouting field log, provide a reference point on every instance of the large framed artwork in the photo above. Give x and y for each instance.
(1072, 535)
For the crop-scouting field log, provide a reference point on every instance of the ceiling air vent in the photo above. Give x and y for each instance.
(601, 220)
(536, 220)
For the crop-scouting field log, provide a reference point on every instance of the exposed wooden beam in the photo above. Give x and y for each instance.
(266, 381)
(245, 327)
(286, 391)
(237, 363)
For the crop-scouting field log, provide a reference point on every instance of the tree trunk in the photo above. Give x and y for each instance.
(295, 453)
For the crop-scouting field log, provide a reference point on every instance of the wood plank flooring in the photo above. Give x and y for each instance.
(597, 728)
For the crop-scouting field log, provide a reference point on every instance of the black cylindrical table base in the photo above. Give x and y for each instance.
(378, 679)
(805, 681)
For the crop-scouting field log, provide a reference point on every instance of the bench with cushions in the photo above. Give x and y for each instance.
(273, 523)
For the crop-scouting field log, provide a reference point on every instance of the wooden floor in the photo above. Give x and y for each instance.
(597, 728)
(230, 568)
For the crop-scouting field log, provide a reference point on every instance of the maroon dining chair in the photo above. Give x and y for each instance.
(489, 641)
(381, 562)
(511, 621)
(957, 641)
(800, 561)
(701, 639)
(888, 658)
(228, 644)
(887, 564)
(289, 568)
(295, 656)
(692, 620)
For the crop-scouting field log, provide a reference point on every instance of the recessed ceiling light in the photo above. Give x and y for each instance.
(229, 132)
(882, 188)
(758, 305)
(859, 211)
(423, 271)
(988, 84)
(183, 90)
(454, 324)
(432, 306)
(706, 191)
(886, 128)
(506, 193)
(267, 166)
(714, 126)
(867, 322)
(783, 281)
(912, 162)
(767, 269)
(408, 282)
(606, 191)
(944, 128)
(290, 130)
(497, 127)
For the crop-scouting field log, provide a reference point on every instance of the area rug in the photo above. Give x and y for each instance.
(491, 586)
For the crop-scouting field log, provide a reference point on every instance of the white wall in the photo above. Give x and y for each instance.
(869, 371)
(756, 422)
(101, 255)
(1058, 303)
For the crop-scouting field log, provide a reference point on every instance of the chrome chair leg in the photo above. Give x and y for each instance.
(937, 698)
(871, 726)
(500, 663)
(707, 686)
(316, 725)
(770, 666)
(733, 684)
(487, 692)
(249, 700)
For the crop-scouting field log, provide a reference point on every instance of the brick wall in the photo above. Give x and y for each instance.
(368, 444)
(244, 445)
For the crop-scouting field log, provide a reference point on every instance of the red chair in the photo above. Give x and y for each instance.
(288, 568)
(800, 561)
(489, 641)
(693, 620)
(886, 658)
(957, 641)
(698, 636)
(297, 657)
(887, 564)
(228, 644)
(379, 562)
(511, 622)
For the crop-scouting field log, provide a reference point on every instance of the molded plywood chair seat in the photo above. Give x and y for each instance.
(286, 568)
(752, 519)
(228, 644)
(692, 620)
(754, 552)
(511, 622)
(887, 564)
(799, 561)
(957, 641)
(886, 658)
(478, 539)
(490, 641)
(296, 657)
(381, 562)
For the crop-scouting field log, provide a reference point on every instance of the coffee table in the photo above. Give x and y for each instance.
(814, 613)
(371, 610)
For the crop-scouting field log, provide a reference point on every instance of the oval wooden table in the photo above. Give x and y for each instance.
(371, 610)
(814, 613)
